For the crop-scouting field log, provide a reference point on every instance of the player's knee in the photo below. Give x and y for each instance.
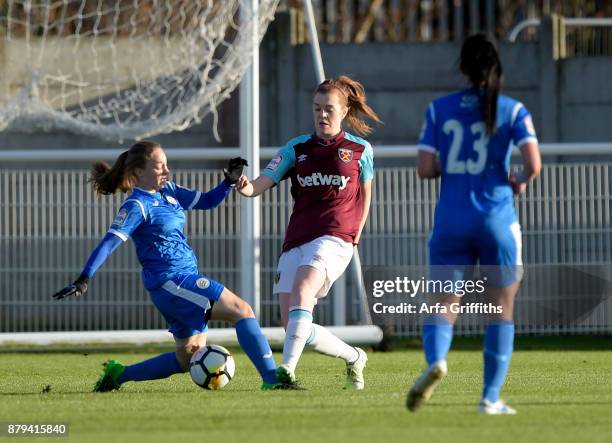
(237, 310)
(303, 287)
(243, 310)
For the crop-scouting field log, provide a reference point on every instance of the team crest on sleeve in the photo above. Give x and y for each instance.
(202, 283)
(346, 155)
(171, 199)
(276, 160)
(121, 217)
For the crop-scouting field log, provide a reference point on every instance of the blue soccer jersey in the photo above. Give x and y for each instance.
(155, 222)
(475, 219)
(475, 166)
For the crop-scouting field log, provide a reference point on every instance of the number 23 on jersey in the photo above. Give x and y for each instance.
(477, 154)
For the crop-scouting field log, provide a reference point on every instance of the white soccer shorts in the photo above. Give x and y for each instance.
(328, 254)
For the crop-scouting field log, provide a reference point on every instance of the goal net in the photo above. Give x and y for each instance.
(122, 69)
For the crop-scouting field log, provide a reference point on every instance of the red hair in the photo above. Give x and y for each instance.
(354, 97)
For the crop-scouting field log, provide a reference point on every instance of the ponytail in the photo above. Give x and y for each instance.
(106, 179)
(480, 62)
(354, 94)
(489, 105)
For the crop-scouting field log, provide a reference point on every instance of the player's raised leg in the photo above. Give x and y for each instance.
(232, 308)
(186, 308)
(324, 342)
(162, 366)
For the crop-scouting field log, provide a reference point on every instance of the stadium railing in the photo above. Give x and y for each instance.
(50, 221)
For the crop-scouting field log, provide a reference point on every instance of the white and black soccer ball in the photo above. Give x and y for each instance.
(212, 367)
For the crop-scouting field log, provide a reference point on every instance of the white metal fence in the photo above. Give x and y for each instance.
(577, 36)
(50, 221)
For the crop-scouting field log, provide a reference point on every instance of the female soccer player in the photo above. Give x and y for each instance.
(153, 215)
(466, 139)
(331, 176)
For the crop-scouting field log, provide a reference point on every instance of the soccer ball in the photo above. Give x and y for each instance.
(212, 367)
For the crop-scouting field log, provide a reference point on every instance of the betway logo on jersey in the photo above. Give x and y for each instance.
(318, 179)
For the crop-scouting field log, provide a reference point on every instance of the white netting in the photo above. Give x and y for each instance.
(125, 68)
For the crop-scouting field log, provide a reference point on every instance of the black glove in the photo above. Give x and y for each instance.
(234, 169)
(76, 289)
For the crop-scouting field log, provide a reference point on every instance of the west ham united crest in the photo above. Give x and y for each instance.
(346, 155)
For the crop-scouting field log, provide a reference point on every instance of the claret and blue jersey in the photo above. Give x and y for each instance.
(326, 177)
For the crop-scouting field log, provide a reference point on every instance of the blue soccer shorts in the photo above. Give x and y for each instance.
(496, 247)
(186, 301)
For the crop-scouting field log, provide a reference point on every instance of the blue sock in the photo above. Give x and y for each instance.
(437, 338)
(256, 346)
(498, 345)
(162, 366)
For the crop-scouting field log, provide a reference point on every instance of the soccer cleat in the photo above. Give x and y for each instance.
(270, 386)
(495, 408)
(281, 387)
(354, 371)
(425, 385)
(284, 374)
(108, 381)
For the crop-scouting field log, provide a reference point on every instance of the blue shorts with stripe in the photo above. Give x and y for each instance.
(495, 247)
(186, 301)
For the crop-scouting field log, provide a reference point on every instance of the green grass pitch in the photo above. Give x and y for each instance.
(562, 389)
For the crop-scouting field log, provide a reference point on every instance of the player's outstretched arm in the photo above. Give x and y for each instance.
(254, 188)
(109, 243)
(214, 197)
